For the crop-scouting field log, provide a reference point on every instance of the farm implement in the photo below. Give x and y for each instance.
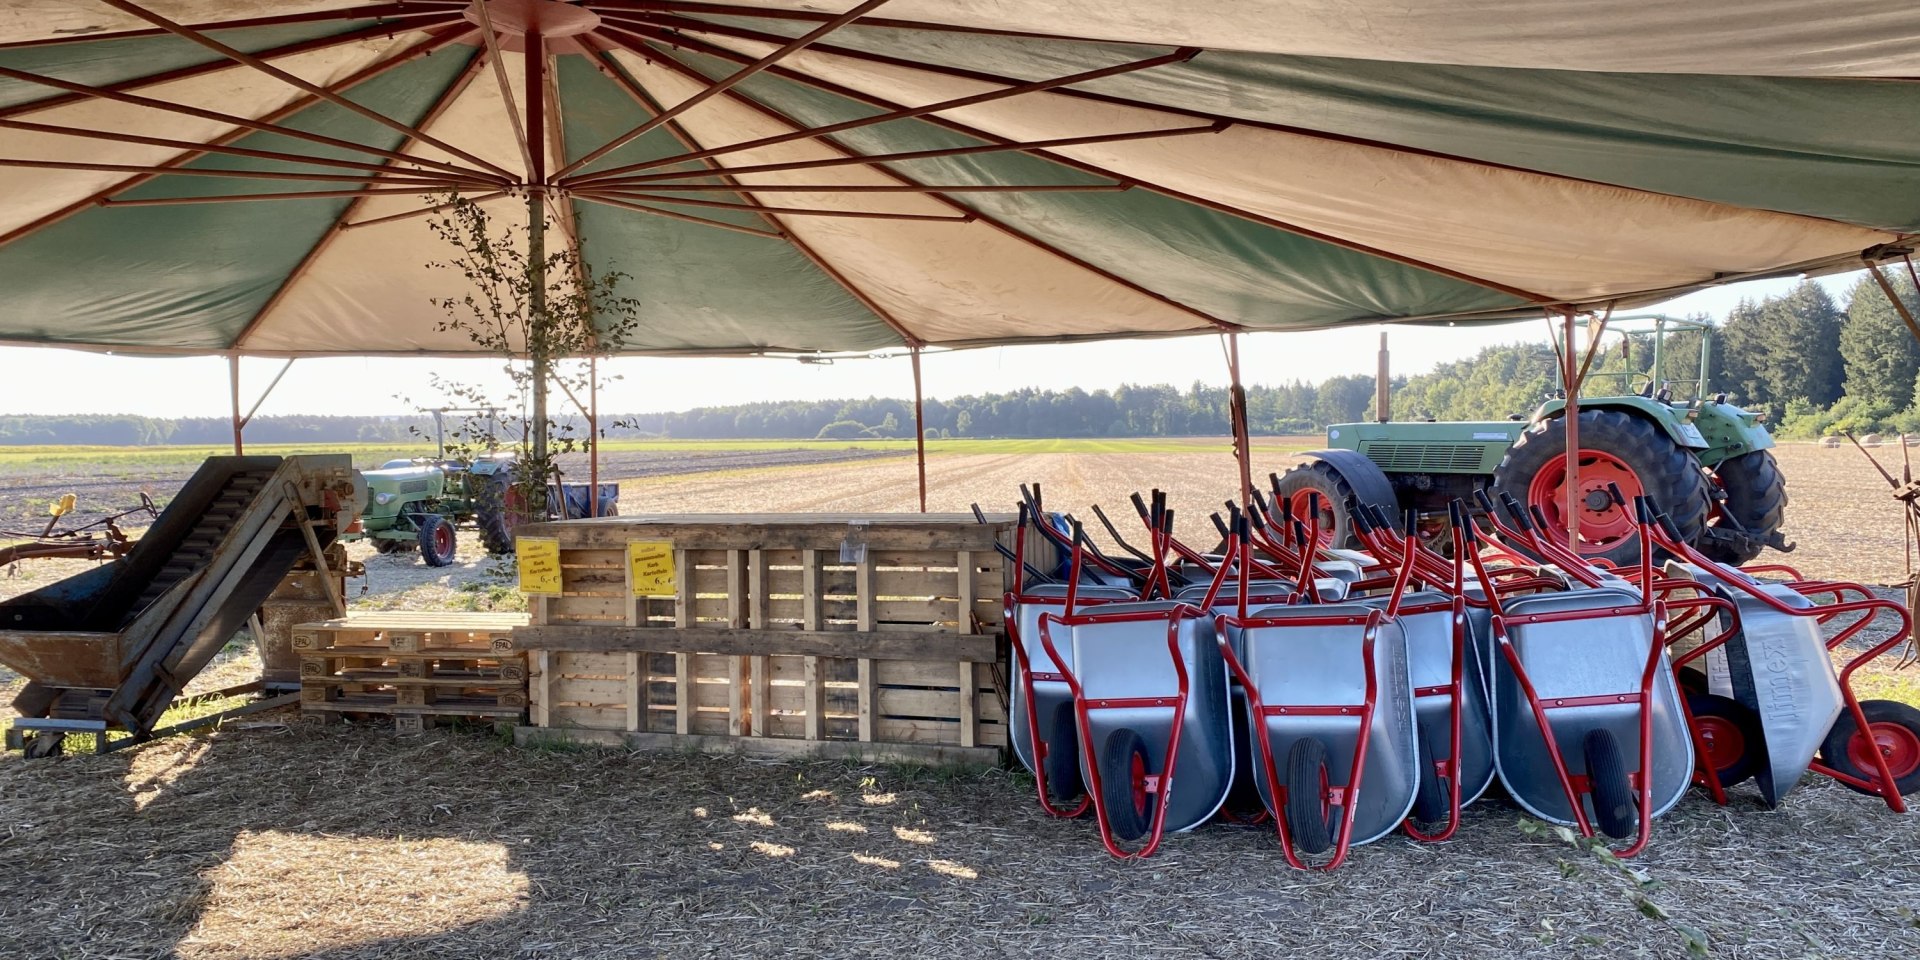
(1348, 689)
(111, 650)
(97, 540)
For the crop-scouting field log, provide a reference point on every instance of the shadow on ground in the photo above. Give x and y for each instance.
(347, 843)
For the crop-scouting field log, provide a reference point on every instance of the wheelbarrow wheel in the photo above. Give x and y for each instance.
(1615, 808)
(1693, 680)
(1731, 735)
(1895, 734)
(1128, 803)
(1433, 796)
(1062, 763)
(1306, 808)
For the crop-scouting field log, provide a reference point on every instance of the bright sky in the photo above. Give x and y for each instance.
(67, 381)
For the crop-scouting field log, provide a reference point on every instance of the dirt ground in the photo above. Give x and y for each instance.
(272, 839)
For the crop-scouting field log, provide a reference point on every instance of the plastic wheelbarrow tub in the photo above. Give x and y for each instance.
(1311, 665)
(1600, 657)
(1429, 637)
(1023, 629)
(1131, 661)
(1781, 671)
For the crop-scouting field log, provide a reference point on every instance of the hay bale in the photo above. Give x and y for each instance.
(1831, 443)
(1870, 440)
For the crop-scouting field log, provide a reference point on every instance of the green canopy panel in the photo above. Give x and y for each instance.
(259, 177)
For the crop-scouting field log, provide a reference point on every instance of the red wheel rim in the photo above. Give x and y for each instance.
(1603, 524)
(1303, 511)
(513, 508)
(443, 539)
(1724, 742)
(1138, 774)
(1898, 744)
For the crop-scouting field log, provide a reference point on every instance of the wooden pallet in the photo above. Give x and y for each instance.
(778, 636)
(414, 667)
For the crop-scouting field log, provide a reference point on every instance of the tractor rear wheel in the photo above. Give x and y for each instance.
(1615, 448)
(1755, 505)
(502, 507)
(1334, 485)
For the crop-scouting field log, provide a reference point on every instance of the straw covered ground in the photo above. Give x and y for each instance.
(271, 838)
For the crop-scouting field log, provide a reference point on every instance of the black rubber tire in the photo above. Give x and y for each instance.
(437, 540)
(1334, 489)
(1729, 711)
(1307, 822)
(1833, 750)
(1615, 805)
(1693, 680)
(1433, 795)
(1062, 764)
(1127, 815)
(494, 510)
(39, 746)
(1755, 504)
(1668, 472)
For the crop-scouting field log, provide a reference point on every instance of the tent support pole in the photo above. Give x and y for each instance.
(233, 391)
(1570, 378)
(537, 243)
(593, 436)
(1237, 418)
(919, 429)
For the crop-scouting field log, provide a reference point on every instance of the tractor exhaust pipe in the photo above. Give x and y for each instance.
(1382, 386)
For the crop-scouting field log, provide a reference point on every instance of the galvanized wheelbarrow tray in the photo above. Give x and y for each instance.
(1045, 738)
(1588, 727)
(1330, 707)
(1150, 703)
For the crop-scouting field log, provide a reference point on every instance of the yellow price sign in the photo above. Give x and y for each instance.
(650, 568)
(539, 563)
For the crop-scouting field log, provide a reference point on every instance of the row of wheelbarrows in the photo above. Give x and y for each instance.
(1347, 694)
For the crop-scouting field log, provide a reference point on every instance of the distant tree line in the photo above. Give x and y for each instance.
(1813, 365)
(132, 430)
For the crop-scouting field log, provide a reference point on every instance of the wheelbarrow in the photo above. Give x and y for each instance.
(1781, 670)
(1588, 727)
(1329, 704)
(1045, 737)
(1449, 680)
(1150, 703)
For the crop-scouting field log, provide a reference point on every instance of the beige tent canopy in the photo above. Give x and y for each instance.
(195, 176)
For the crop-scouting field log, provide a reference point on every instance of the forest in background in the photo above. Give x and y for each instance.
(1813, 364)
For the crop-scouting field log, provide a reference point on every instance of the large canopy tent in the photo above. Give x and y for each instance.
(251, 177)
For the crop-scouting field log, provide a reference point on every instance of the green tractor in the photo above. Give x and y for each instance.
(418, 503)
(1700, 459)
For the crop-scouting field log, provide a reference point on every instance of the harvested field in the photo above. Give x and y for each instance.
(274, 839)
(107, 485)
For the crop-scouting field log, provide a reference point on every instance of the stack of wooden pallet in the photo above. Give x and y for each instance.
(875, 636)
(414, 667)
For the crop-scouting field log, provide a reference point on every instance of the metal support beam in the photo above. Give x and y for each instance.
(919, 429)
(194, 36)
(233, 392)
(1893, 296)
(1237, 418)
(1570, 378)
(717, 87)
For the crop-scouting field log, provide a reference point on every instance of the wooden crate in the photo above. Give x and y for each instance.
(875, 635)
(414, 667)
